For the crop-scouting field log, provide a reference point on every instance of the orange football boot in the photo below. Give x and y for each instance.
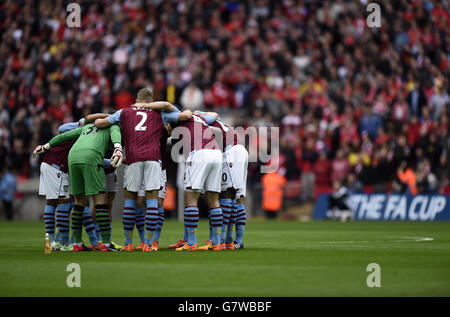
(229, 246)
(98, 247)
(206, 246)
(177, 245)
(140, 246)
(187, 247)
(128, 248)
(146, 248)
(155, 246)
(215, 247)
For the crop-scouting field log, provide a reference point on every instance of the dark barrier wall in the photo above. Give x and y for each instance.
(391, 207)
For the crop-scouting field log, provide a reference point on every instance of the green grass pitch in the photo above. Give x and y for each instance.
(279, 259)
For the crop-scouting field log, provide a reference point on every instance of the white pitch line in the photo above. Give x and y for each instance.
(404, 239)
(415, 239)
(337, 242)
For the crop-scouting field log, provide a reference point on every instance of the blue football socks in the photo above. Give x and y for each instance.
(190, 224)
(151, 219)
(216, 223)
(129, 219)
(49, 221)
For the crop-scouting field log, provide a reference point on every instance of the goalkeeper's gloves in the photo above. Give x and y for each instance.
(41, 149)
(117, 157)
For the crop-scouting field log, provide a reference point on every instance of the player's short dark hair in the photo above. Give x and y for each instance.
(144, 95)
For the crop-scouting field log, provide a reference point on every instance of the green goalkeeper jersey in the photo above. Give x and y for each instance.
(92, 143)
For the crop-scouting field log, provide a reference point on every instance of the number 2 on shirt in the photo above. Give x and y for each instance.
(140, 125)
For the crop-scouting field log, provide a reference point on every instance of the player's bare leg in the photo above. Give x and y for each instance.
(191, 198)
(93, 215)
(52, 202)
(81, 200)
(100, 199)
(212, 199)
(111, 196)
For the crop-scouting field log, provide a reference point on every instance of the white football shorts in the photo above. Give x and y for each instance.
(111, 182)
(202, 170)
(146, 174)
(234, 170)
(162, 191)
(53, 183)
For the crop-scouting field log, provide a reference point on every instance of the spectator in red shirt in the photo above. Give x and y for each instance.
(123, 98)
(413, 132)
(340, 167)
(322, 170)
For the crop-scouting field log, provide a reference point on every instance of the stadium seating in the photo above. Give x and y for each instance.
(313, 68)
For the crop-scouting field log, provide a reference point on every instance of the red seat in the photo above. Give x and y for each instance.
(446, 190)
(368, 189)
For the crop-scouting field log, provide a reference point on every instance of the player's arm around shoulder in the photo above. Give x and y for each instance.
(210, 116)
(104, 122)
(91, 118)
(176, 116)
(185, 115)
(206, 113)
(70, 126)
(157, 106)
(101, 123)
(61, 138)
(66, 136)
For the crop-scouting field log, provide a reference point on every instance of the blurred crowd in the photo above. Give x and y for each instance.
(366, 106)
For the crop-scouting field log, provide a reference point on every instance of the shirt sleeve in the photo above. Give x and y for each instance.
(67, 127)
(106, 163)
(66, 136)
(209, 119)
(170, 117)
(115, 117)
(116, 136)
